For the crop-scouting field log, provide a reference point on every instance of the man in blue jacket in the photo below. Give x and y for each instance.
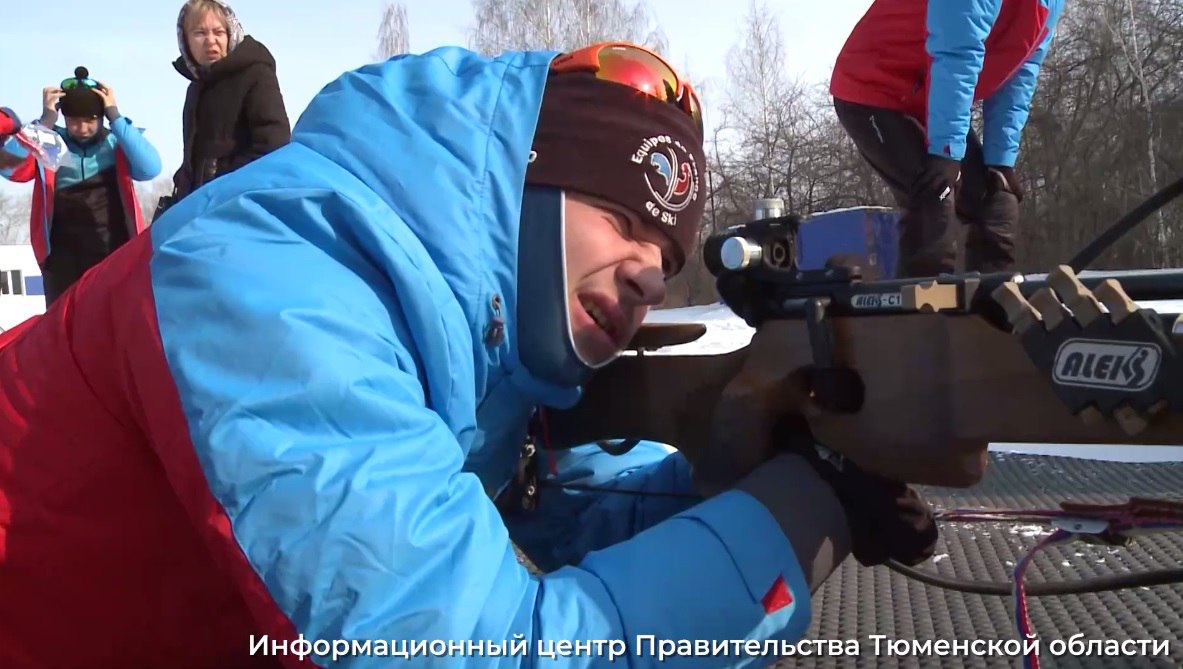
(302, 390)
(904, 85)
(87, 208)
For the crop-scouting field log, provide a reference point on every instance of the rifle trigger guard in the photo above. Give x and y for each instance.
(821, 338)
(837, 389)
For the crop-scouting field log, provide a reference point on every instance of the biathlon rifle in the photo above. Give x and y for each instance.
(953, 361)
(1065, 358)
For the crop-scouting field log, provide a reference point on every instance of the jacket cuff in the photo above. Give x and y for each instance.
(721, 570)
(821, 538)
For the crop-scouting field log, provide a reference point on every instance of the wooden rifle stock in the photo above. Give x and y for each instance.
(929, 378)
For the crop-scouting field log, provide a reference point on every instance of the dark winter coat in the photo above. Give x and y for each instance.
(234, 113)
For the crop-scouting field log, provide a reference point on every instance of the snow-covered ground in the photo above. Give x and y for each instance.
(726, 332)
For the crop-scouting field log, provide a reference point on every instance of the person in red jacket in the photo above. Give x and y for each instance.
(903, 87)
(9, 125)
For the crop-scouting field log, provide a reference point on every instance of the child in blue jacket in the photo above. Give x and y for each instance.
(87, 208)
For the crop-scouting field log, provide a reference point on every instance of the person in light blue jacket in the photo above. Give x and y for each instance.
(310, 381)
(87, 207)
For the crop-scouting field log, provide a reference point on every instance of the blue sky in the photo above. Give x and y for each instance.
(314, 41)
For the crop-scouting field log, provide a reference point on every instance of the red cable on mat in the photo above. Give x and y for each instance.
(1108, 523)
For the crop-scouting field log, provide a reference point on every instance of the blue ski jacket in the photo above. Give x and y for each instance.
(325, 314)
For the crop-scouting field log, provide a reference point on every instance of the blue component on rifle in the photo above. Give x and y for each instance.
(867, 235)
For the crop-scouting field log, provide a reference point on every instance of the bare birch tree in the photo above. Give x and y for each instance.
(502, 25)
(1105, 117)
(764, 117)
(393, 34)
(1124, 29)
(14, 217)
(149, 194)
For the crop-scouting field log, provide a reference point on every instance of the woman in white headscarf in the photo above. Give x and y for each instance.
(234, 110)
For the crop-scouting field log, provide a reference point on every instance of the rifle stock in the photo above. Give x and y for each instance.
(663, 398)
(954, 378)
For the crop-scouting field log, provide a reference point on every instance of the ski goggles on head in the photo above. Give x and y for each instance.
(75, 82)
(636, 67)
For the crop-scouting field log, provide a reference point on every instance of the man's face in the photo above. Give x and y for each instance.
(82, 128)
(614, 274)
(208, 38)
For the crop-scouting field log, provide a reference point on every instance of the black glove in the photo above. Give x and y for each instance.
(1003, 178)
(938, 179)
(888, 519)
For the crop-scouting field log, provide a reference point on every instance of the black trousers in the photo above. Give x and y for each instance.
(60, 271)
(895, 146)
(66, 264)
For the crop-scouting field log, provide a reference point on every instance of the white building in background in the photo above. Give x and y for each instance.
(22, 293)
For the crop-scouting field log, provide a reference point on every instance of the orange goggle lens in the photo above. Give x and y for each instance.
(639, 69)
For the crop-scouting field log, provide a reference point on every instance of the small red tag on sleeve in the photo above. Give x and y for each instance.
(778, 596)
